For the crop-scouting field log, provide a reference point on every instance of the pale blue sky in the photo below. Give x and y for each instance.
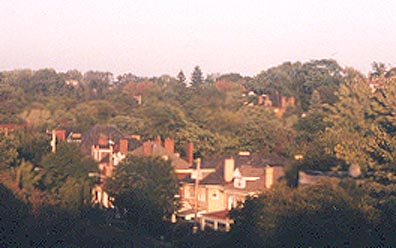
(150, 38)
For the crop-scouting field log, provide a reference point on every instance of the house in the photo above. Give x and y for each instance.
(9, 127)
(223, 184)
(108, 146)
(277, 103)
(166, 150)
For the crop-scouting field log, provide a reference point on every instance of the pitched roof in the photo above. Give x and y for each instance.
(91, 136)
(248, 166)
(160, 151)
(251, 171)
(132, 144)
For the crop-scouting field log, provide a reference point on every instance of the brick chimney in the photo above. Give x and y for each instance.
(292, 101)
(158, 141)
(61, 135)
(169, 145)
(283, 102)
(124, 146)
(260, 100)
(190, 153)
(103, 140)
(147, 148)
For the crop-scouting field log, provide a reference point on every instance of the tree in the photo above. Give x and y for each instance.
(317, 216)
(196, 77)
(8, 150)
(64, 177)
(181, 78)
(145, 187)
(363, 124)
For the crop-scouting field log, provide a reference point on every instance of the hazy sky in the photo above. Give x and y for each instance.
(150, 38)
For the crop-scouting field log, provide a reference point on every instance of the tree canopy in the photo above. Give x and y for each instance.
(146, 188)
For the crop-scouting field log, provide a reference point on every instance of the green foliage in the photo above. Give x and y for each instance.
(317, 216)
(300, 80)
(196, 78)
(364, 127)
(181, 78)
(32, 147)
(8, 150)
(260, 131)
(146, 187)
(64, 177)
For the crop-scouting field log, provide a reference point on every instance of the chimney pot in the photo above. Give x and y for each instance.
(170, 145)
(124, 146)
(158, 141)
(147, 148)
(190, 153)
(103, 140)
(229, 165)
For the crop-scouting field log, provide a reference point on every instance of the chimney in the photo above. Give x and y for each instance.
(283, 102)
(169, 145)
(229, 164)
(61, 134)
(190, 153)
(269, 177)
(103, 140)
(147, 148)
(53, 141)
(158, 141)
(260, 100)
(124, 146)
(292, 101)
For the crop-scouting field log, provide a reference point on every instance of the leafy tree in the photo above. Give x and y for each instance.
(32, 147)
(8, 150)
(363, 124)
(64, 177)
(145, 187)
(317, 216)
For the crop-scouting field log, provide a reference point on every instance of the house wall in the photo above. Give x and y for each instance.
(216, 199)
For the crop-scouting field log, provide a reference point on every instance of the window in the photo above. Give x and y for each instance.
(239, 183)
(215, 194)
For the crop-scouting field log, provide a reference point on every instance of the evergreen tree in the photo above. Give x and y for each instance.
(181, 78)
(196, 77)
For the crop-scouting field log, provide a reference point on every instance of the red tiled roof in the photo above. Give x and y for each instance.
(10, 126)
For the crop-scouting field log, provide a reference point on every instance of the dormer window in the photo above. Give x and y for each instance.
(239, 183)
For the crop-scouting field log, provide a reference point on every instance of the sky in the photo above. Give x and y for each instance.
(151, 38)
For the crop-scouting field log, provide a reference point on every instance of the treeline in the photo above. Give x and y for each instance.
(340, 119)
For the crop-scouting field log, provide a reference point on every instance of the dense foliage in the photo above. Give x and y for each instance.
(334, 213)
(145, 187)
(340, 119)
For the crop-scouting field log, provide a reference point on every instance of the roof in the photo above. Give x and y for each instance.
(132, 144)
(251, 166)
(160, 151)
(91, 136)
(223, 214)
(251, 171)
(10, 126)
